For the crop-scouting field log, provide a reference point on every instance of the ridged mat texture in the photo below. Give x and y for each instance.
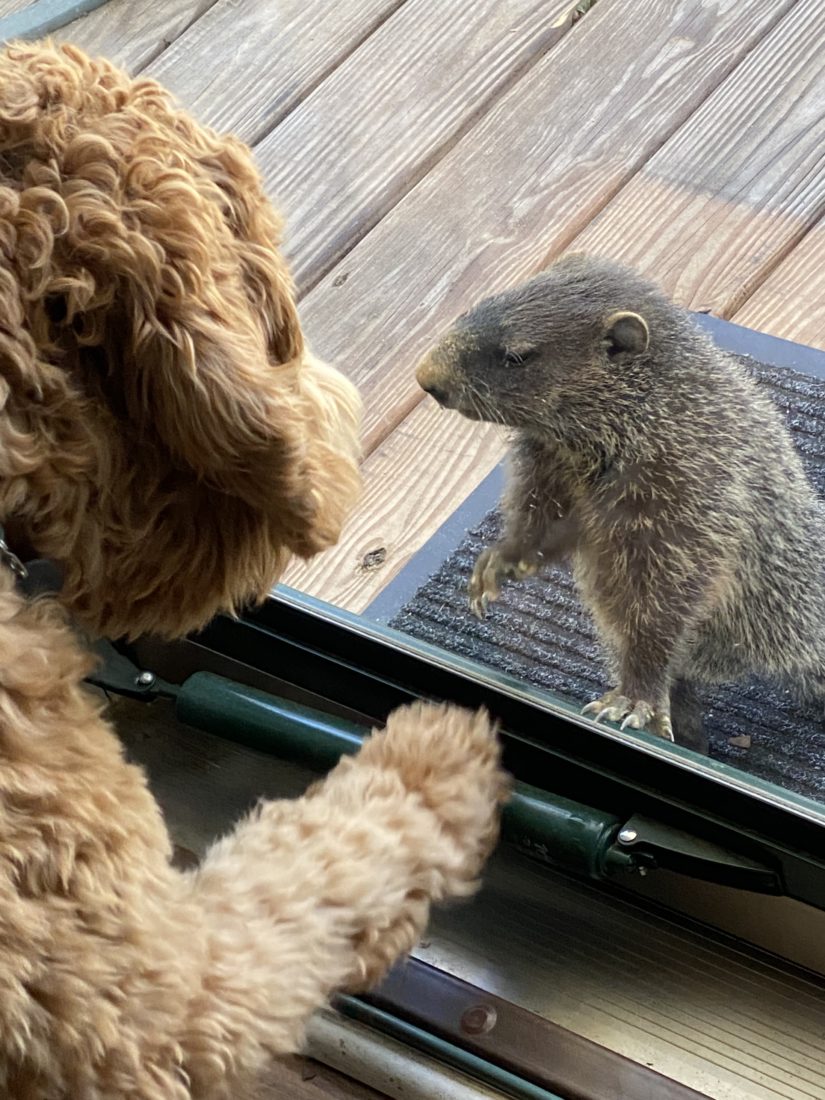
(539, 632)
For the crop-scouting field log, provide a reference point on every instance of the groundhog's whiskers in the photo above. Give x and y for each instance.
(483, 405)
(479, 407)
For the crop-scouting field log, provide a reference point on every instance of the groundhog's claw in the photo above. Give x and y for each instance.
(479, 605)
(644, 717)
(615, 707)
(491, 568)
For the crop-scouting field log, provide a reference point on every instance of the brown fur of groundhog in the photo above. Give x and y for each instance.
(650, 457)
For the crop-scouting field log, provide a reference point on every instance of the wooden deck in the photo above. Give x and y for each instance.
(429, 152)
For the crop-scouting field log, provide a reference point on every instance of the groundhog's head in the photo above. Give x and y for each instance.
(583, 332)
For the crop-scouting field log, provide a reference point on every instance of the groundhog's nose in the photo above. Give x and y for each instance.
(430, 377)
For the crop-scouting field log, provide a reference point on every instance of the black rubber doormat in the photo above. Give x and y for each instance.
(538, 631)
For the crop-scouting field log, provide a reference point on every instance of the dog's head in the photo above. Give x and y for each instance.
(165, 435)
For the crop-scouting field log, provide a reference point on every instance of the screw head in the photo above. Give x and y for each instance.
(479, 1019)
(145, 679)
(627, 836)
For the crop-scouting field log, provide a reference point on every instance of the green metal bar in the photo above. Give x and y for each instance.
(265, 722)
(44, 17)
(564, 833)
(549, 827)
(462, 1060)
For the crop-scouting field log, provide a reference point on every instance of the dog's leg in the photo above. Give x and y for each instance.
(325, 893)
(168, 985)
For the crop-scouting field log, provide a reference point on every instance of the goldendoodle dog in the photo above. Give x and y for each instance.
(168, 441)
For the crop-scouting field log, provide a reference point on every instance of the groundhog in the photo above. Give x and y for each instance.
(651, 458)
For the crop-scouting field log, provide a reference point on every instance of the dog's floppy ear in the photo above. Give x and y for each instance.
(212, 356)
(224, 410)
(277, 435)
(166, 285)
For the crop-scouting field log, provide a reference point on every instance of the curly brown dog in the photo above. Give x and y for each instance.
(168, 440)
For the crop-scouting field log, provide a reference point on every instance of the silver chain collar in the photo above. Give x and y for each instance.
(10, 559)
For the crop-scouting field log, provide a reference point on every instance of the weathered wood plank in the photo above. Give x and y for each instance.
(133, 32)
(412, 483)
(791, 302)
(376, 126)
(9, 7)
(523, 183)
(736, 187)
(451, 241)
(267, 55)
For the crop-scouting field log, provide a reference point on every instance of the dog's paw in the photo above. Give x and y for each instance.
(451, 758)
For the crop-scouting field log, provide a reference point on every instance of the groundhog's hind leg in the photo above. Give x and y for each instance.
(687, 717)
(647, 611)
(682, 721)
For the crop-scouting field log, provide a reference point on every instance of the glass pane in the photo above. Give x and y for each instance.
(676, 559)
(428, 157)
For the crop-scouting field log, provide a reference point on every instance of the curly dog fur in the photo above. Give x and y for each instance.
(166, 436)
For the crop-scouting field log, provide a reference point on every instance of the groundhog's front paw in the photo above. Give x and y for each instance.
(492, 566)
(638, 714)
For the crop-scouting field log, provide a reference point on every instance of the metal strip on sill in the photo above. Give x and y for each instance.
(466, 1062)
(392, 1068)
(518, 1042)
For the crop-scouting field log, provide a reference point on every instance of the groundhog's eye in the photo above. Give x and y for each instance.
(513, 358)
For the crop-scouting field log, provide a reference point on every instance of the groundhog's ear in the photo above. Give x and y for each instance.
(626, 332)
